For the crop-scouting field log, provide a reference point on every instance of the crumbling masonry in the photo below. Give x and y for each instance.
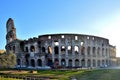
(66, 50)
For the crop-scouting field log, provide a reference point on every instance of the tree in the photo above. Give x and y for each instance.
(7, 60)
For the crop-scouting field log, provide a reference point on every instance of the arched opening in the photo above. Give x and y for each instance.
(70, 63)
(14, 49)
(39, 62)
(69, 50)
(76, 49)
(18, 61)
(56, 50)
(89, 63)
(43, 49)
(63, 49)
(94, 63)
(103, 62)
(82, 50)
(56, 62)
(32, 62)
(88, 51)
(32, 48)
(83, 62)
(103, 52)
(98, 63)
(107, 62)
(26, 49)
(93, 51)
(76, 63)
(98, 52)
(49, 62)
(63, 63)
(50, 50)
(22, 45)
(106, 52)
(27, 59)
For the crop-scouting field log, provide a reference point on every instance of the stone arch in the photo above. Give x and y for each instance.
(56, 62)
(49, 62)
(89, 63)
(39, 62)
(106, 52)
(82, 50)
(18, 62)
(26, 49)
(63, 49)
(32, 62)
(88, 50)
(56, 50)
(14, 49)
(83, 62)
(94, 63)
(98, 63)
(32, 48)
(70, 63)
(98, 52)
(107, 62)
(103, 62)
(77, 62)
(69, 50)
(27, 59)
(94, 52)
(76, 49)
(43, 49)
(63, 62)
(103, 52)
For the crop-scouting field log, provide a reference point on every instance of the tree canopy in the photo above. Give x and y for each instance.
(7, 60)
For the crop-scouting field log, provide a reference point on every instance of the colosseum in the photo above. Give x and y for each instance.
(65, 50)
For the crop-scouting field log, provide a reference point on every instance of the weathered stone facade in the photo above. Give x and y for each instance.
(66, 50)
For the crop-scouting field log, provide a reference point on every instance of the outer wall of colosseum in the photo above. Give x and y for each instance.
(65, 50)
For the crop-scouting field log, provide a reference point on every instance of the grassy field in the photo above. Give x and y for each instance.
(105, 74)
(99, 75)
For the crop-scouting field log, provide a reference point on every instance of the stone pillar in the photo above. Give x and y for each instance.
(86, 60)
(59, 55)
(96, 62)
(53, 58)
(91, 56)
(80, 62)
(73, 62)
(66, 62)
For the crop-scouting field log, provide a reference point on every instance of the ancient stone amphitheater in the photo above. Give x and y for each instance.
(60, 50)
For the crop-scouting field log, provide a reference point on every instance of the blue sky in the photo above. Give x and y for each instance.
(33, 18)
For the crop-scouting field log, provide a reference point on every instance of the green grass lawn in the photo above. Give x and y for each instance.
(101, 74)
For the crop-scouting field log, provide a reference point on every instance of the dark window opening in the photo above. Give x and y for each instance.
(56, 50)
(22, 46)
(82, 50)
(26, 49)
(43, 49)
(76, 49)
(32, 48)
(32, 62)
(69, 49)
(39, 61)
(63, 49)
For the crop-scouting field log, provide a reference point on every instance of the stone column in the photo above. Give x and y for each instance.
(73, 62)
(66, 61)
(53, 58)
